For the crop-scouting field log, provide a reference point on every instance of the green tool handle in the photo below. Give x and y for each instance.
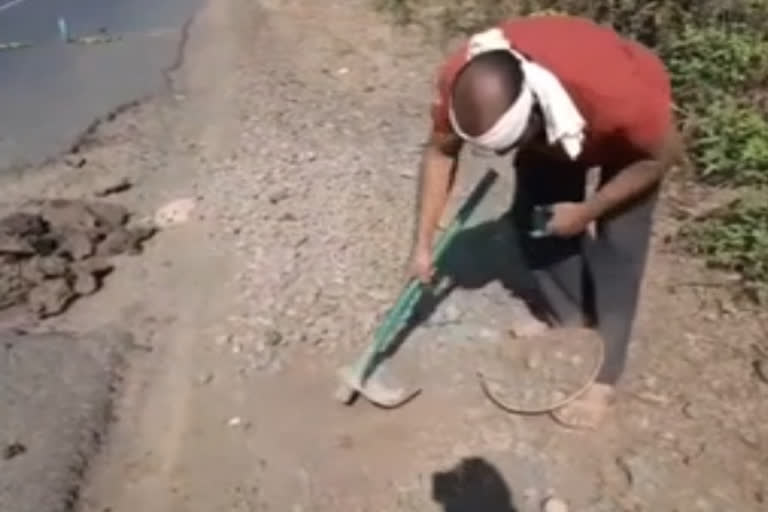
(411, 295)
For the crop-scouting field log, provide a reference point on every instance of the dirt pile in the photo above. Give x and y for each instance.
(55, 251)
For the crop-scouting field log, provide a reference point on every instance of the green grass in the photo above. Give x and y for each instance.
(735, 239)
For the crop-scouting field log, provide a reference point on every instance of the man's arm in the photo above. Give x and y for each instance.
(638, 177)
(438, 168)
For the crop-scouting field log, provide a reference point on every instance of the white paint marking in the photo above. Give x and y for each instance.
(12, 3)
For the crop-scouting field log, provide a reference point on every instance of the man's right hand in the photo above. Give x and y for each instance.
(422, 267)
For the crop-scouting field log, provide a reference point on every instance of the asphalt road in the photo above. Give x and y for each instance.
(55, 395)
(51, 91)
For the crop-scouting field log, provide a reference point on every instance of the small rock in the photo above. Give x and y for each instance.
(116, 242)
(22, 224)
(761, 370)
(14, 450)
(554, 505)
(30, 271)
(78, 162)
(224, 339)
(235, 422)
(116, 188)
(668, 436)
(50, 297)
(273, 337)
(109, 215)
(488, 334)
(175, 213)
(650, 381)
(124, 240)
(12, 245)
(68, 215)
(533, 361)
(45, 245)
(85, 284)
(279, 196)
(76, 244)
(691, 411)
(13, 287)
(205, 378)
(653, 398)
(52, 266)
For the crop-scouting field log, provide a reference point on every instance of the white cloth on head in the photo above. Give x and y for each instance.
(562, 121)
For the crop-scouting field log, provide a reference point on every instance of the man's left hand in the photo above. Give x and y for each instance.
(569, 219)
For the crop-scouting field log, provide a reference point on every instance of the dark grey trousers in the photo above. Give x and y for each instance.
(582, 280)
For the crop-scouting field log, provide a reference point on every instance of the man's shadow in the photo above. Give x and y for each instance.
(479, 255)
(473, 485)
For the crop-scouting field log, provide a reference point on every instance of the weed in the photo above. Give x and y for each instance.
(735, 239)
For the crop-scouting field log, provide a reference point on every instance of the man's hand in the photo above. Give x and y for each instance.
(569, 219)
(421, 265)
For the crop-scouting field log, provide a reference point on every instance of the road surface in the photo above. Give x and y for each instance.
(51, 91)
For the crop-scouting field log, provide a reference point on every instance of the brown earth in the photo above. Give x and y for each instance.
(53, 252)
(295, 127)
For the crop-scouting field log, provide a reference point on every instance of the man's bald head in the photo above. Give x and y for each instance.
(487, 86)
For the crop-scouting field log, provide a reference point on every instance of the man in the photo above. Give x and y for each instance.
(566, 95)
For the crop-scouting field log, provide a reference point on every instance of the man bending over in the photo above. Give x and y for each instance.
(563, 95)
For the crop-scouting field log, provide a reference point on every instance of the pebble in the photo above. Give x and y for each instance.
(223, 339)
(488, 334)
(205, 378)
(650, 381)
(668, 436)
(273, 337)
(533, 361)
(235, 421)
(554, 505)
(174, 213)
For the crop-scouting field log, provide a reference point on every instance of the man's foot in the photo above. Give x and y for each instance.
(588, 411)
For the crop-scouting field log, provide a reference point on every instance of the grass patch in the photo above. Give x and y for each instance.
(730, 145)
(735, 239)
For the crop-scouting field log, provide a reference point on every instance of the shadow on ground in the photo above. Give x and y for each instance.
(473, 485)
(480, 255)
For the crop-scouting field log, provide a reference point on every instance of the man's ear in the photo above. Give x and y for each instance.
(448, 143)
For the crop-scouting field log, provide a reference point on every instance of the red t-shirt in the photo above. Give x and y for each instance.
(621, 88)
